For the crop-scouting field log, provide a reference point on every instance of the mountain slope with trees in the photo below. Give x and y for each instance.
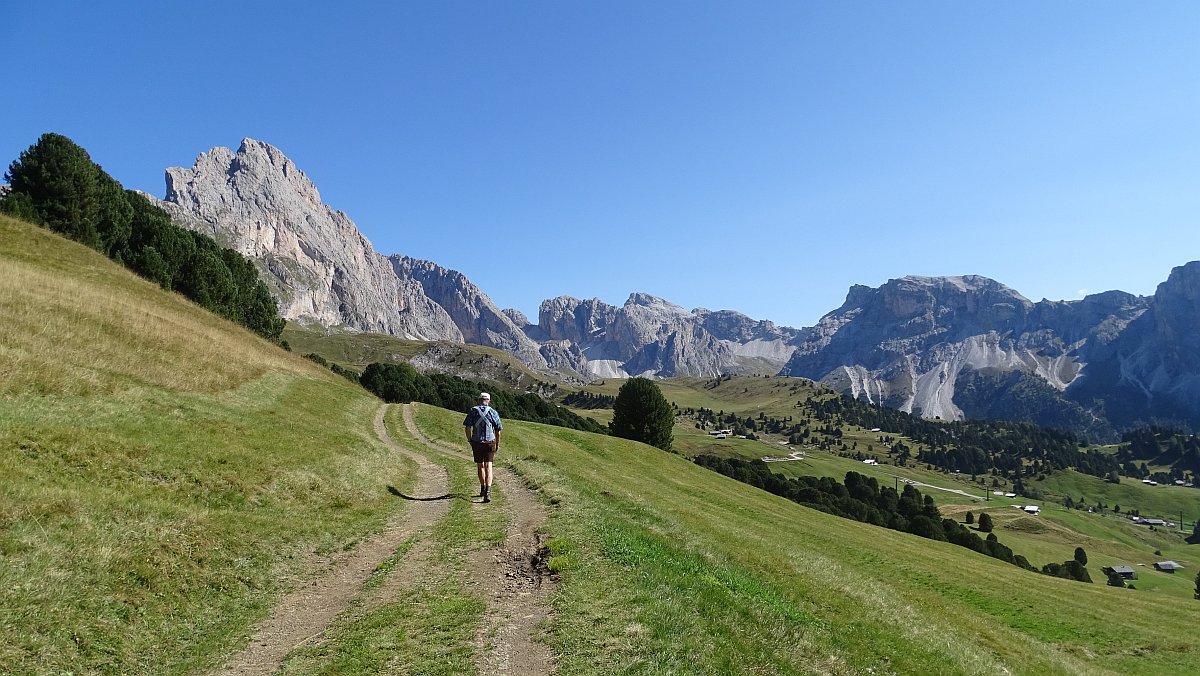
(56, 184)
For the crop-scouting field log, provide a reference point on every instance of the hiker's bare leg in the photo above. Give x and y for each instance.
(486, 474)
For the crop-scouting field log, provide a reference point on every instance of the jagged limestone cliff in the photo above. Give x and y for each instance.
(320, 267)
(905, 344)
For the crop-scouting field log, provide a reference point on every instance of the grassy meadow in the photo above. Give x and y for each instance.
(168, 476)
(356, 350)
(669, 568)
(1108, 537)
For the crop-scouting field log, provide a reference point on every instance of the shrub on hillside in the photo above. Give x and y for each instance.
(985, 522)
(1069, 570)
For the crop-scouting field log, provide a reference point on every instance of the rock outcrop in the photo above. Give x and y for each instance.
(320, 267)
(1150, 369)
(1110, 357)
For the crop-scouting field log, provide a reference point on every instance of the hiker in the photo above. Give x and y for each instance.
(482, 426)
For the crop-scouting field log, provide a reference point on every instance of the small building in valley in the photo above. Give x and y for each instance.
(1126, 572)
(1167, 566)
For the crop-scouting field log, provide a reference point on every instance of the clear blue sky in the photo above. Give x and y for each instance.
(755, 156)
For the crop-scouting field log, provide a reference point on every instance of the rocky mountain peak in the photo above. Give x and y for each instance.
(321, 269)
(221, 180)
(654, 302)
(906, 342)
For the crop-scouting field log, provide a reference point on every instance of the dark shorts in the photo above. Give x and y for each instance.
(483, 451)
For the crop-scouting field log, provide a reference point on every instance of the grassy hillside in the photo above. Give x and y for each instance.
(1050, 538)
(166, 473)
(1161, 501)
(168, 476)
(775, 396)
(667, 567)
(357, 350)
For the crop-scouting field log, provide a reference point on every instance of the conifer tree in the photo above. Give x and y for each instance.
(985, 522)
(62, 187)
(641, 413)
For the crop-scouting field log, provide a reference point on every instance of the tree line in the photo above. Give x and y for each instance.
(1156, 445)
(54, 183)
(861, 498)
(589, 400)
(972, 446)
(401, 383)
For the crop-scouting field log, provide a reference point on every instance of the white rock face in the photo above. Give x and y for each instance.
(320, 267)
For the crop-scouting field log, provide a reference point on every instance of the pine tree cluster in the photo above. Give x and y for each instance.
(54, 183)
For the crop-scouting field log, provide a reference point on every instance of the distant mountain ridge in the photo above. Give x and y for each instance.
(649, 336)
(936, 346)
(1117, 358)
(905, 343)
(324, 272)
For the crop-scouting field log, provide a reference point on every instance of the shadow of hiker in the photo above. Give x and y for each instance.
(448, 496)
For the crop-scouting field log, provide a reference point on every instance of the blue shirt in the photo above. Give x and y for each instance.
(488, 412)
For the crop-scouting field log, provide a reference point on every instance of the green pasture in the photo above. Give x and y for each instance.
(667, 567)
(1166, 502)
(169, 476)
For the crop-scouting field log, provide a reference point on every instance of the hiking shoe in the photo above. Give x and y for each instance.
(486, 493)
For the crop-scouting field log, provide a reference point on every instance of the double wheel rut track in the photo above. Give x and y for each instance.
(511, 579)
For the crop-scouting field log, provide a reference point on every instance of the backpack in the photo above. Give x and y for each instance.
(480, 424)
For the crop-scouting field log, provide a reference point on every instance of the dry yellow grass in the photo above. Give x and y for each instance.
(78, 330)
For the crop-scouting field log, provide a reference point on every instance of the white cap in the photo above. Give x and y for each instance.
(485, 395)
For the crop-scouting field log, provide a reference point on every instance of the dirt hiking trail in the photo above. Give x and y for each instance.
(514, 580)
(304, 614)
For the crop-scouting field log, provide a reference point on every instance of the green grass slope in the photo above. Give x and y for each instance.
(669, 568)
(357, 350)
(1152, 501)
(166, 474)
